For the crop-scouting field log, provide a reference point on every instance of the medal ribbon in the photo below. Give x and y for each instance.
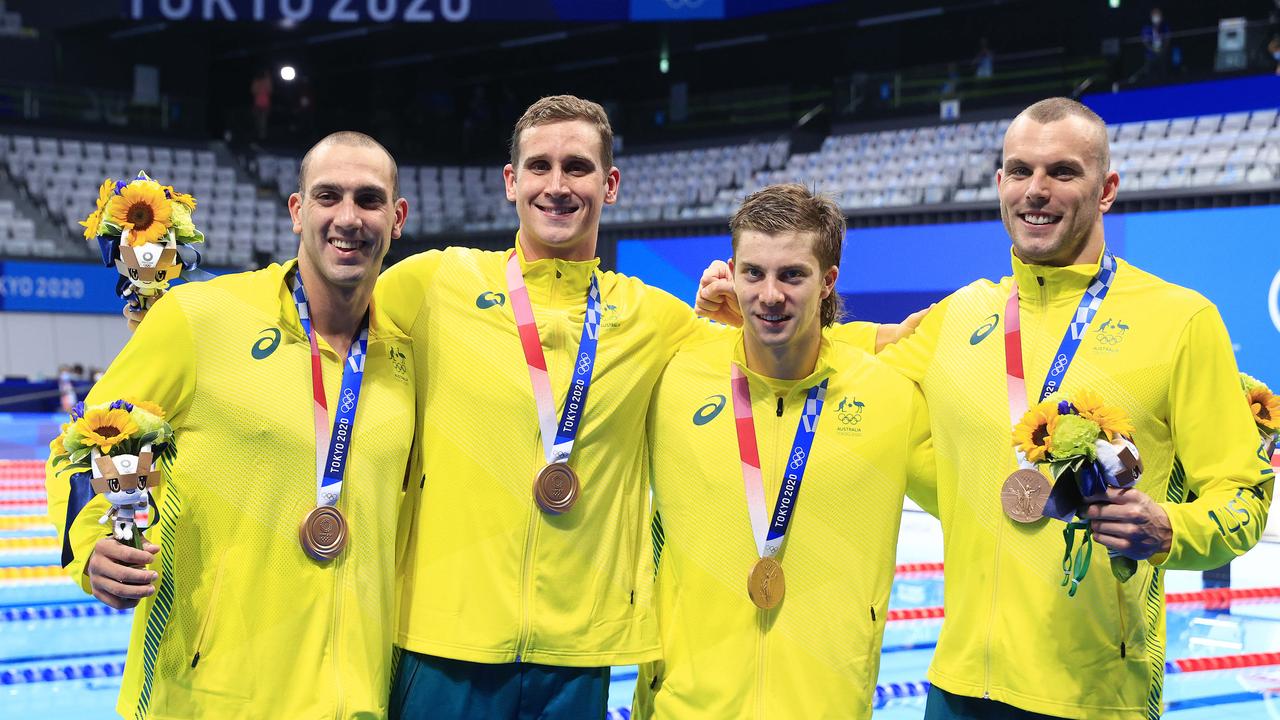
(331, 467)
(769, 533)
(1085, 311)
(557, 440)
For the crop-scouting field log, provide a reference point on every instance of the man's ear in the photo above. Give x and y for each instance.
(829, 281)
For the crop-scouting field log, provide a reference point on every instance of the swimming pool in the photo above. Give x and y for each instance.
(61, 652)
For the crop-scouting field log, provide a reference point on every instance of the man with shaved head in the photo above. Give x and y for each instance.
(1014, 644)
(1071, 317)
(265, 587)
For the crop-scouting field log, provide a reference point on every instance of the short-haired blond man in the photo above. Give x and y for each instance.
(780, 455)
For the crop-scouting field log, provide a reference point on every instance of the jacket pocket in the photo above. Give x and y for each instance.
(216, 674)
(1130, 641)
(202, 634)
(875, 636)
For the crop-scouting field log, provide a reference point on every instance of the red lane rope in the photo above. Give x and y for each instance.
(1226, 662)
(1221, 597)
(918, 568)
(924, 613)
(1214, 598)
(27, 466)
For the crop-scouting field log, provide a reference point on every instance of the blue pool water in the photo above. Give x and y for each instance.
(61, 651)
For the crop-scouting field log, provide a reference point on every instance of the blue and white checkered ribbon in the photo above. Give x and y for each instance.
(332, 467)
(1085, 312)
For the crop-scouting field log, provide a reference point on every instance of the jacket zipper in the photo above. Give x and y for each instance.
(208, 613)
(1120, 606)
(531, 531)
(762, 615)
(762, 637)
(339, 574)
(995, 583)
(526, 590)
(995, 578)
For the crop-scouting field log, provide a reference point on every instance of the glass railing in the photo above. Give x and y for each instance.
(95, 108)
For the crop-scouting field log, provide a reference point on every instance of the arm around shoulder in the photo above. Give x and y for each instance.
(922, 473)
(402, 289)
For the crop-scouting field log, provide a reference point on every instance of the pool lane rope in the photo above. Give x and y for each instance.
(1211, 599)
(62, 611)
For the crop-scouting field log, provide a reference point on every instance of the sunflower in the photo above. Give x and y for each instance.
(1266, 407)
(147, 405)
(105, 193)
(1111, 420)
(106, 428)
(91, 223)
(149, 417)
(1033, 430)
(182, 198)
(142, 208)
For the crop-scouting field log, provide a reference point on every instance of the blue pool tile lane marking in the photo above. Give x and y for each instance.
(58, 612)
(58, 673)
(77, 657)
(1212, 701)
(895, 691)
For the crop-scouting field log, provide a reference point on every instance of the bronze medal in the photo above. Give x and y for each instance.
(766, 584)
(1024, 495)
(323, 533)
(556, 488)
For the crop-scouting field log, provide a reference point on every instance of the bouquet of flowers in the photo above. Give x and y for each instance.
(1088, 447)
(114, 448)
(144, 229)
(1266, 414)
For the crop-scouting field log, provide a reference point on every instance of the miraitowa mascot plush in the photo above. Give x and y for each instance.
(145, 272)
(145, 231)
(124, 480)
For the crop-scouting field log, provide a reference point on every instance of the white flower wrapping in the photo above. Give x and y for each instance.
(1109, 459)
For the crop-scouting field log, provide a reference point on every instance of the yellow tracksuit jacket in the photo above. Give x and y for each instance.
(278, 634)
(1162, 353)
(484, 575)
(818, 653)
